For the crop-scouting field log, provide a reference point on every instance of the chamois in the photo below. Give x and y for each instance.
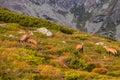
(24, 37)
(111, 50)
(79, 47)
(32, 41)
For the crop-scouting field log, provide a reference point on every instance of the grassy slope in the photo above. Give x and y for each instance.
(54, 59)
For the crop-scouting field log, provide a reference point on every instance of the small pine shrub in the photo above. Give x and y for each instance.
(66, 30)
(108, 38)
(91, 65)
(76, 75)
(75, 63)
(114, 73)
(81, 36)
(2, 31)
(71, 76)
(29, 56)
(70, 49)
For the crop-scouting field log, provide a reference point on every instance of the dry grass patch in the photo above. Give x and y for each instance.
(100, 70)
(50, 72)
(21, 65)
(60, 62)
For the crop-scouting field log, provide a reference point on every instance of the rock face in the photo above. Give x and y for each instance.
(93, 16)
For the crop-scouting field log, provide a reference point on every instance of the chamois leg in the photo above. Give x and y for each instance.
(82, 51)
(109, 54)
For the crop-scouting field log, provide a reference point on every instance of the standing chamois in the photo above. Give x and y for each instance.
(24, 37)
(111, 51)
(79, 47)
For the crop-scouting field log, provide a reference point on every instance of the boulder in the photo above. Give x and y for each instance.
(45, 31)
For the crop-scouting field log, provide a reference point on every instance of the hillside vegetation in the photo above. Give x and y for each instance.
(56, 57)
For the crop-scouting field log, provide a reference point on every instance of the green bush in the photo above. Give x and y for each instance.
(114, 74)
(29, 21)
(109, 38)
(5, 37)
(66, 30)
(75, 63)
(98, 49)
(2, 31)
(81, 36)
(30, 56)
(12, 27)
(71, 76)
(91, 65)
(69, 49)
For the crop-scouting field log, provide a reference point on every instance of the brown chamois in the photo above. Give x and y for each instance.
(32, 41)
(79, 47)
(111, 51)
(24, 37)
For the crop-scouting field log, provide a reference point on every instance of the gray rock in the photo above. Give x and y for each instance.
(99, 43)
(45, 31)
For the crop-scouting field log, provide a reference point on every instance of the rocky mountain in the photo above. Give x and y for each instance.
(93, 16)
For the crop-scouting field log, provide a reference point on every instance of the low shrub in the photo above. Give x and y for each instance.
(91, 65)
(12, 27)
(114, 73)
(71, 76)
(81, 36)
(67, 30)
(75, 63)
(99, 49)
(70, 49)
(76, 75)
(29, 56)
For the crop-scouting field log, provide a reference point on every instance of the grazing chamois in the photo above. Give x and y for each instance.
(79, 47)
(32, 41)
(24, 37)
(111, 50)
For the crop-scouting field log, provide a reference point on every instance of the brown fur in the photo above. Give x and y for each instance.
(79, 47)
(24, 37)
(111, 51)
(31, 40)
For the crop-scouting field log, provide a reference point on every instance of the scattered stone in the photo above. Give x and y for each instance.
(21, 32)
(64, 42)
(45, 31)
(12, 36)
(99, 43)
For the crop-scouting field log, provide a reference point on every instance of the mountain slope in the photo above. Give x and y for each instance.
(56, 57)
(93, 16)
